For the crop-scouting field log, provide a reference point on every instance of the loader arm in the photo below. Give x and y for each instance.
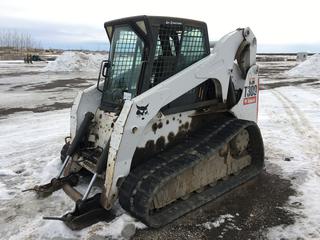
(132, 121)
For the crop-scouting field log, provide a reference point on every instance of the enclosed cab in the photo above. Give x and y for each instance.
(144, 51)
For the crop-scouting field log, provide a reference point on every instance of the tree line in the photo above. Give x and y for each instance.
(18, 40)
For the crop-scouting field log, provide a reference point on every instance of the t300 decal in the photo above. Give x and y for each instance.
(250, 93)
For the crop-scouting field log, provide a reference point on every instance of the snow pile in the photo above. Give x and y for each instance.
(220, 220)
(123, 227)
(33, 159)
(308, 68)
(224, 222)
(76, 61)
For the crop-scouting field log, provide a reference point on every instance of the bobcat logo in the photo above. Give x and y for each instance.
(142, 110)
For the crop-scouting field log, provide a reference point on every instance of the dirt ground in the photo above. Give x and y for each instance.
(53, 86)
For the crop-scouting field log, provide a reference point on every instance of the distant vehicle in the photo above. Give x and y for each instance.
(29, 58)
(36, 58)
(302, 56)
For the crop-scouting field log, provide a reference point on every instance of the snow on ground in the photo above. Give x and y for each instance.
(18, 66)
(308, 68)
(217, 222)
(289, 119)
(76, 61)
(30, 145)
(29, 154)
(22, 89)
(225, 222)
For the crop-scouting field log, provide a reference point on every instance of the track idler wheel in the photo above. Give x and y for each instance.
(240, 143)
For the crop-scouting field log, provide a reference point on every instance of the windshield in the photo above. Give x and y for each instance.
(126, 61)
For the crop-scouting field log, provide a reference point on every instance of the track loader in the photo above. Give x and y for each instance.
(169, 126)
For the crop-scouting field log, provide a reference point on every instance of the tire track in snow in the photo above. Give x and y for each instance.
(300, 114)
(304, 170)
(299, 122)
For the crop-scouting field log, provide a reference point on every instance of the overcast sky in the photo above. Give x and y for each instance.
(279, 25)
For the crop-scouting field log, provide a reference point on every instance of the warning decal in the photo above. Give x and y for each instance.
(249, 100)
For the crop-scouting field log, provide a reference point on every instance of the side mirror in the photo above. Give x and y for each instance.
(104, 69)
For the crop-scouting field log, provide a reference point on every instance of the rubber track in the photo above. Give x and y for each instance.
(141, 185)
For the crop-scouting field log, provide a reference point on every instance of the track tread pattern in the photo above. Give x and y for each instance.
(137, 191)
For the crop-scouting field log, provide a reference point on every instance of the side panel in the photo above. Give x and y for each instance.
(247, 107)
(166, 127)
(87, 100)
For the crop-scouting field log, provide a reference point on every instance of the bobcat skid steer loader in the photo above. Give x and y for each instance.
(170, 125)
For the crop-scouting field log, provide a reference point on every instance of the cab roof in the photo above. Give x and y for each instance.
(156, 20)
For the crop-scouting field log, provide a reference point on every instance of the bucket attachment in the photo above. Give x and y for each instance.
(55, 184)
(86, 213)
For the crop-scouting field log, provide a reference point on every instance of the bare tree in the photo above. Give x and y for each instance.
(19, 41)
